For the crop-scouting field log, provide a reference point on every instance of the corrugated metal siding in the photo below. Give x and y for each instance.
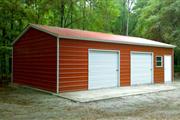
(159, 71)
(34, 60)
(74, 62)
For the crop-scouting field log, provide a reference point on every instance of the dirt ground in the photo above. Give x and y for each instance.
(17, 103)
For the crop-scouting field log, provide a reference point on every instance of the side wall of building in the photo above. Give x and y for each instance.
(34, 60)
(74, 62)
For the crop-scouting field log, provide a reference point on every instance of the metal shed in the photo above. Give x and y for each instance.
(61, 59)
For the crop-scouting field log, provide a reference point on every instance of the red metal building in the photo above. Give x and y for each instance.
(60, 59)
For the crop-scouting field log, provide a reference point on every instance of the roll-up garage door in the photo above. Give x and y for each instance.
(103, 69)
(141, 68)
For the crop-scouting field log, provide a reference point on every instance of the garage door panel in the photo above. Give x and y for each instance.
(141, 68)
(104, 81)
(142, 75)
(104, 77)
(100, 63)
(102, 84)
(102, 54)
(102, 74)
(103, 67)
(144, 59)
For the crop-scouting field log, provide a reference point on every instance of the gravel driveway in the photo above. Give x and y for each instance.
(17, 103)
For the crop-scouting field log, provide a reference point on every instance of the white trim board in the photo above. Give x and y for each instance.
(162, 61)
(57, 79)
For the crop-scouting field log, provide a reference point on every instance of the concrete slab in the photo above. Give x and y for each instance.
(101, 94)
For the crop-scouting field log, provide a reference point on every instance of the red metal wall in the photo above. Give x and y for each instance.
(34, 60)
(74, 62)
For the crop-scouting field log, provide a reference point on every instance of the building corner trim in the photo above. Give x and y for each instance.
(57, 69)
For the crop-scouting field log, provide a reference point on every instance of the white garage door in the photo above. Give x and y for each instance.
(141, 68)
(103, 69)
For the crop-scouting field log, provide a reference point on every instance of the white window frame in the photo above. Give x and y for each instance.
(159, 61)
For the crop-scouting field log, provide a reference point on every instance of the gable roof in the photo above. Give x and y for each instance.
(93, 36)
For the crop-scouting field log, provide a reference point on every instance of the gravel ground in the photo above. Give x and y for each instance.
(17, 103)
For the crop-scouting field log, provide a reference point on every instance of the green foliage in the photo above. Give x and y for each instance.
(148, 21)
(153, 19)
(5, 50)
(159, 20)
(126, 16)
(177, 68)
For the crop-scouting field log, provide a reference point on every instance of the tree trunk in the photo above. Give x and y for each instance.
(127, 23)
(83, 14)
(62, 13)
(71, 14)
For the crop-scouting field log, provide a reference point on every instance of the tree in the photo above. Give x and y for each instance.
(126, 20)
(159, 20)
(153, 19)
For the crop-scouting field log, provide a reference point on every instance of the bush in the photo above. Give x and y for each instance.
(176, 68)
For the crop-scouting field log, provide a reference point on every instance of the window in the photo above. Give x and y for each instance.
(159, 61)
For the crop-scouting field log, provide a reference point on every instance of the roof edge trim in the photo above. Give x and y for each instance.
(35, 27)
(120, 42)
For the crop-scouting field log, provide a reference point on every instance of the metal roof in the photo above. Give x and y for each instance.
(94, 36)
